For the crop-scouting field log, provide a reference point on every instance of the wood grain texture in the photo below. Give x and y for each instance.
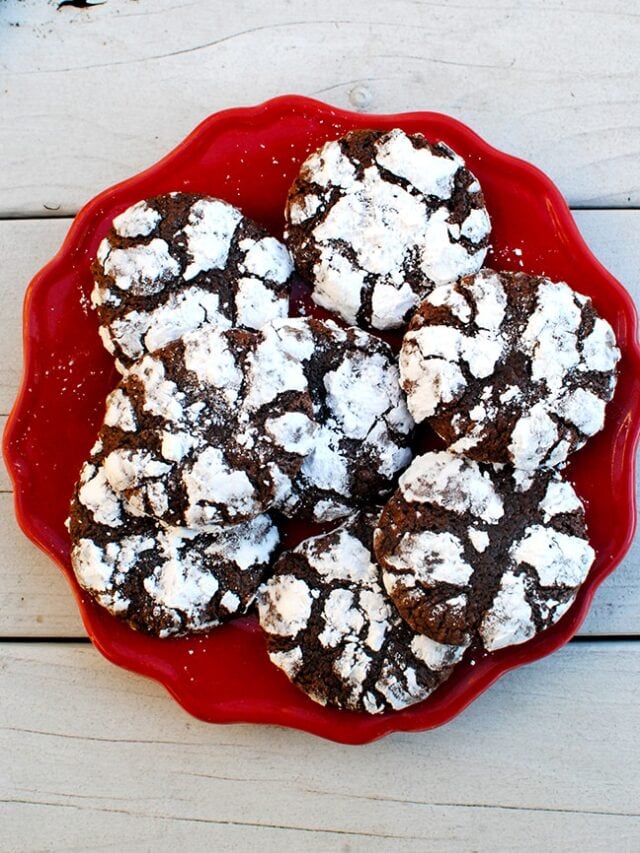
(34, 597)
(90, 96)
(106, 756)
(93, 757)
(25, 247)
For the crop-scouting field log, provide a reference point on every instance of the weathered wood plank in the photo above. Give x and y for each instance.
(89, 96)
(34, 598)
(25, 247)
(105, 756)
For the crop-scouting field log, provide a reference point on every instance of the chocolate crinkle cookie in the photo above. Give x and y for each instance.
(175, 262)
(165, 581)
(485, 553)
(508, 367)
(364, 428)
(377, 219)
(336, 635)
(204, 431)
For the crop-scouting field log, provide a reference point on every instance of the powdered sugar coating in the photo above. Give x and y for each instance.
(256, 303)
(95, 493)
(139, 220)
(377, 219)
(558, 559)
(333, 631)
(277, 364)
(363, 425)
(266, 259)
(209, 482)
(119, 412)
(509, 368)
(139, 269)
(430, 174)
(454, 483)
(176, 262)
(509, 620)
(210, 446)
(457, 572)
(163, 580)
(559, 498)
(140, 332)
(209, 230)
(429, 558)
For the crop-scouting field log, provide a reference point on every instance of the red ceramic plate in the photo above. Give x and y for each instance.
(249, 157)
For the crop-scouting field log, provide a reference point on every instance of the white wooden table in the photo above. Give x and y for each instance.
(92, 757)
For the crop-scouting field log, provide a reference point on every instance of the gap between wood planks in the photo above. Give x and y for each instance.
(320, 830)
(596, 638)
(66, 214)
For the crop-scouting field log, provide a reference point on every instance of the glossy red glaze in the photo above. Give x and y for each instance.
(249, 157)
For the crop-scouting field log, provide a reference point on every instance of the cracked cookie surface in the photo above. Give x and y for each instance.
(204, 431)
(336, 635)
(165, 581)
(376, 219)
(173, 263)
(362, 440)
(508, 367)
(472, 551)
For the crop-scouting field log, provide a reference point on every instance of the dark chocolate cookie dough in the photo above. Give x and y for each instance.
(162, 580)
(471, 550)
(363, 426)
(336, 635)
(172, 263)
(376, 219)
(204, 431)
(508, 367)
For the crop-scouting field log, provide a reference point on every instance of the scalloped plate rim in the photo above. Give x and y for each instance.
(388, 723)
